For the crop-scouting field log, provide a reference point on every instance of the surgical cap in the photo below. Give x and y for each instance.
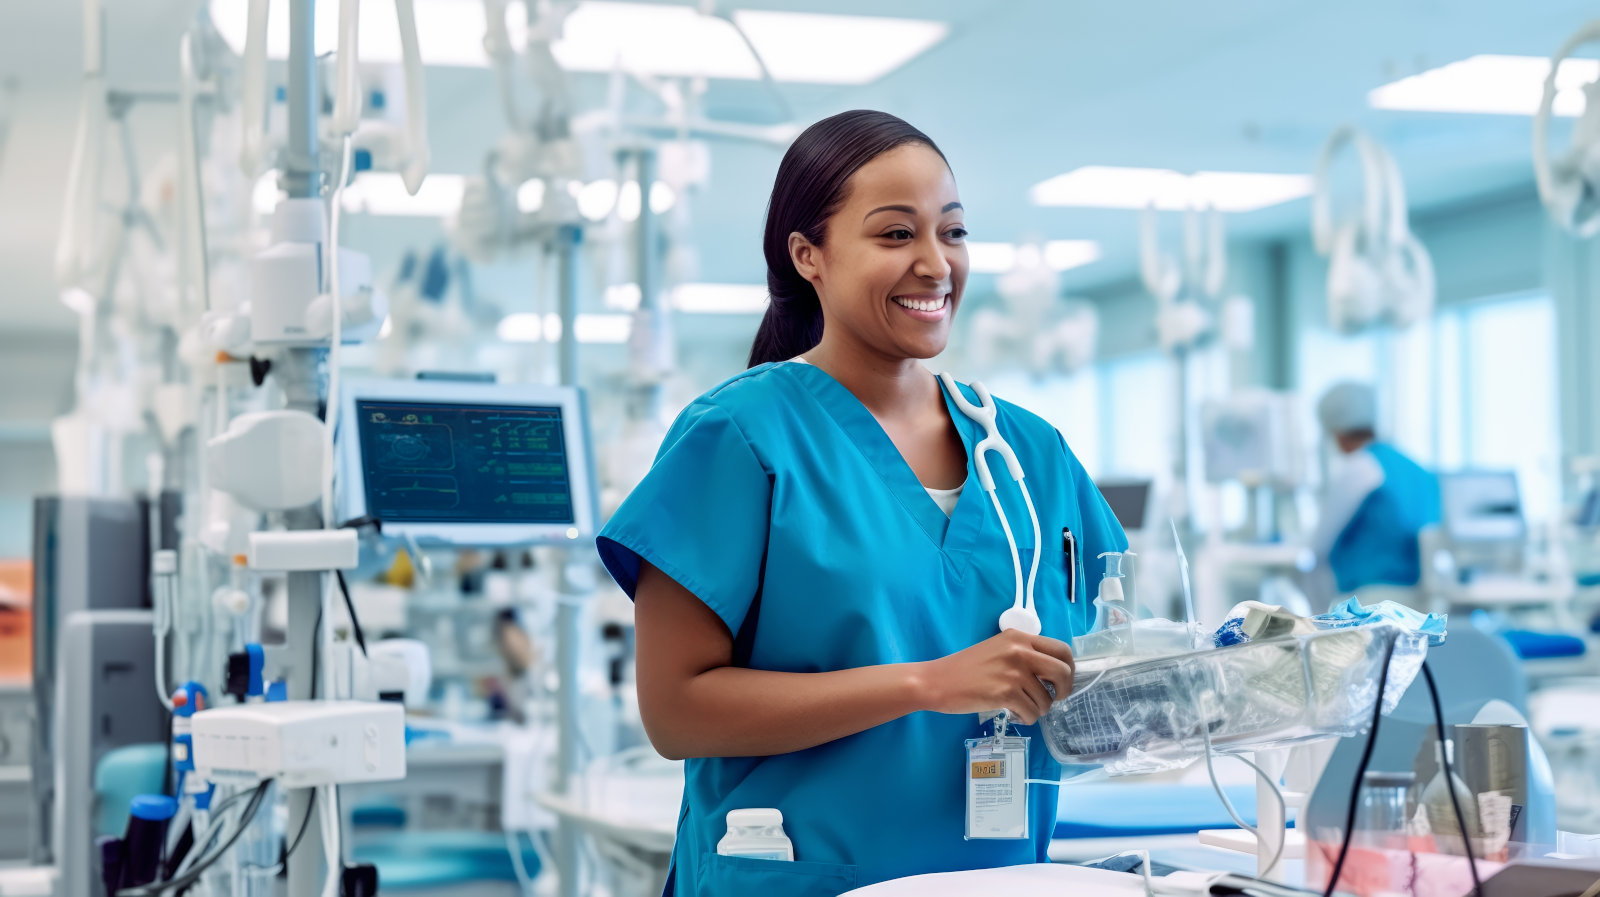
(1348, 407)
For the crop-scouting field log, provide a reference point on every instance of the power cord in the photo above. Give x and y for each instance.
(1361, 772)
(1449, 776)
(350, 608)
(283, 858)
(185, 879)
(1227, 804)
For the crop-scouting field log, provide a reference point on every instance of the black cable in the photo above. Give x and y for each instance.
(1361, 773)
(1449, 779)
(305, 822)
(194, 873)
(350, 607)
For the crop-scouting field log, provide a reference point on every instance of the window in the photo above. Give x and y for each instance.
(1071, 403)
(1508, 375)
(1139, 401)
(1475, 388)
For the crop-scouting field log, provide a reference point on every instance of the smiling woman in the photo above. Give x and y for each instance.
(816, 582)
(828, 233)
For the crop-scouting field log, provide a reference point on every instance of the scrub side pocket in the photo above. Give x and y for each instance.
(723, 876)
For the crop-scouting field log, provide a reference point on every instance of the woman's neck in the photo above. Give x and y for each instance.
(888, 387)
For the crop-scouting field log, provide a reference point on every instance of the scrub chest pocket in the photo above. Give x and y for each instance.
(724, 876)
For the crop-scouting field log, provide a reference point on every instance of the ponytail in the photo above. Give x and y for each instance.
(810, 187)
(792, 325)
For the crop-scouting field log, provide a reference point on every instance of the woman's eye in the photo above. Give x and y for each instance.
(956, 233)
(899, 233)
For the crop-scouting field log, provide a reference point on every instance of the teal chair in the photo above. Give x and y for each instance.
(120, 776)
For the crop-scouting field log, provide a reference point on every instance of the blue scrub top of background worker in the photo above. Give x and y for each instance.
(1377, 501)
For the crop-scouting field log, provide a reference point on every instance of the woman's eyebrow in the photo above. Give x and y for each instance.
(950, 207)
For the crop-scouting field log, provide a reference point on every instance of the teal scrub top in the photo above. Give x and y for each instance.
(1379, 544)
(779, 501)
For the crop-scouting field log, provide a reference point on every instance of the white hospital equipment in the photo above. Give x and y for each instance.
(1378, 272)
(1021, 615)
(466, 463)
(1032, 327)
(1479, 554)
(1569, 184)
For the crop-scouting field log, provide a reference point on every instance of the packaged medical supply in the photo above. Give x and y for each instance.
(756, 834)
(1350, 613)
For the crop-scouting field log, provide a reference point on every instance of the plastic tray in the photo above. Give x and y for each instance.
(1152, 715)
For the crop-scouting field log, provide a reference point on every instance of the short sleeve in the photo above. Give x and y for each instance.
(1101, 530)
(701, 516)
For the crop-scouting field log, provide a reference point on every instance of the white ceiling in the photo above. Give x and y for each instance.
(1020, 91)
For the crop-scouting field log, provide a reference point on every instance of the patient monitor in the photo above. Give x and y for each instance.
(1481, 506)
(466, 463)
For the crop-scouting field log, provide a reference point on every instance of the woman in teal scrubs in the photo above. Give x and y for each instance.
(817, 574)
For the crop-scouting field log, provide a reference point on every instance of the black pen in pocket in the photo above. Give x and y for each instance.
(1069, 545)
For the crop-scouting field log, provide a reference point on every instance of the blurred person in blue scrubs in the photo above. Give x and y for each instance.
(1377, 499)
(817, 573)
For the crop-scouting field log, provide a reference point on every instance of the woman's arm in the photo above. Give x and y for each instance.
(694, 703)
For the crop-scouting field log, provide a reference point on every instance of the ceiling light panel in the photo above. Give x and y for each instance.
(1110, 187)
(998, 258)
(1489, 85)
(825, 49)
(449, 32)
(658, 39)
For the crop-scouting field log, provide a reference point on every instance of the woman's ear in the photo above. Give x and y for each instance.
(807, 258)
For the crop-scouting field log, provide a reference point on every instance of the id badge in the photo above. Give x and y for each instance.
(997, 788)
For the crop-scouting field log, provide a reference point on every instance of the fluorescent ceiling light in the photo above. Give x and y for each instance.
(528, 327)
(380, 193)
(659, 39)
(1063, 255)
(449, 32)
(697, 298)
(720, 298)
(991, 258)
(384, 193)
(1490, 85)
(825, 49)
(998, 258)
(1111, 187)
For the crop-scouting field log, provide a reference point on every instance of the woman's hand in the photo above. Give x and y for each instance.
(1007, 671)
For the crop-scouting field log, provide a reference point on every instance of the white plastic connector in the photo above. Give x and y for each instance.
(305, 551)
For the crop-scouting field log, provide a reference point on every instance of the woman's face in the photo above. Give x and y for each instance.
(893, 261)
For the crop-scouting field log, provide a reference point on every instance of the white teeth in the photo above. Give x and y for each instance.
(922, 304)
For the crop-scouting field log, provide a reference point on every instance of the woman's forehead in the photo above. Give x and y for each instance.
(912, 175)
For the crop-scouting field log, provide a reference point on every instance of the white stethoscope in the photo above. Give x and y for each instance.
(1021, 614)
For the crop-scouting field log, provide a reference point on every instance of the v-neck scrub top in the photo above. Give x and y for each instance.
(779, 501)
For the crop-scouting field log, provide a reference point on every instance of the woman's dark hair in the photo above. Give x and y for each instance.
(809, 188)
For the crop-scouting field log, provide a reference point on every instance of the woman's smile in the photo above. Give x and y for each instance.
(930, 307)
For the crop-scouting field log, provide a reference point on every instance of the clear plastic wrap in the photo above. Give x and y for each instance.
(1151, 715)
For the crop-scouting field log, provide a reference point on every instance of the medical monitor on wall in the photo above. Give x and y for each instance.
(1482, 506)
(1129, 501)
(466, 463)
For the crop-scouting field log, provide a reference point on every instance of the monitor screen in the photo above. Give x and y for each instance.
(464, 462)
(1481, 506)
(1128, 502)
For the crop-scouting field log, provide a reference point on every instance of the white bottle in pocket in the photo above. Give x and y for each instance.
(756, 834)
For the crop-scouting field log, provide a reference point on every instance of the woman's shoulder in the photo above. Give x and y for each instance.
(747, 397)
